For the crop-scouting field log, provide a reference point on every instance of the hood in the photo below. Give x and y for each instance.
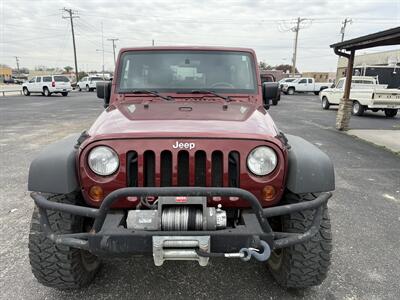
(197, 119)
(328, 90)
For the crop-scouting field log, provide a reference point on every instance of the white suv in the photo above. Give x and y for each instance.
(47, 85)
(88, 83)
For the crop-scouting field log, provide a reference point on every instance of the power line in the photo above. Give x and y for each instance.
(238, 20)
(71, 17)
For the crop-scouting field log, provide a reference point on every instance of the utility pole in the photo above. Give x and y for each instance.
(296, 29)
(114, 46)
(17, 60)
(152, 43)
(71, 17)
(342, 31)
(344, 24)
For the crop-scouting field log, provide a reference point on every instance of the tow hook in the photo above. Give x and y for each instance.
(244, 254)
(249, 252)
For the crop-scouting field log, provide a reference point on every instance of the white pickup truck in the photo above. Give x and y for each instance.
(304, 85)
(366, 93)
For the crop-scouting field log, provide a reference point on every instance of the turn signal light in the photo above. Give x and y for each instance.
(268, 193)
(96, 193)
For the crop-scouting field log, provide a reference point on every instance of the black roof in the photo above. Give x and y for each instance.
(382, 38)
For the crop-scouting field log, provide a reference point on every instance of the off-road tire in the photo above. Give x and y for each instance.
(290, 91)
(65, 94)
(390, 112)
(26, 91)
(302, 265)
(316, 93)
(46, 92)
(60, 266)
(357, 109)
(325, 103)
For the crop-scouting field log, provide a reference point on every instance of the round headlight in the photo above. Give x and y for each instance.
(262, 161)
(103, 160)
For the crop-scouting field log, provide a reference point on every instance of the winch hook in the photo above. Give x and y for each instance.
(253, 252)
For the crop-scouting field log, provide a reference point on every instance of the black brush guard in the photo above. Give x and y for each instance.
(108, 237)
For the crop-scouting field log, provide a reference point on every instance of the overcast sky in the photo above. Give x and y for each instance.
(36, 32)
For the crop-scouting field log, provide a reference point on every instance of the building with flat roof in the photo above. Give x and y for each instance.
(5, 73)
(383, 58)
(320, 76)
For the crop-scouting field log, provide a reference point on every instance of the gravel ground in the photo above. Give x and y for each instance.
(365, 212)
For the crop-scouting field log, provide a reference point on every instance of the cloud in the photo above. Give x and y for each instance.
(36, 32)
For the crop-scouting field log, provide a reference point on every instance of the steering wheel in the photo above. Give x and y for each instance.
(222, 84)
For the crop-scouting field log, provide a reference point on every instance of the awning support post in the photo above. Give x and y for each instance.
(345, 105)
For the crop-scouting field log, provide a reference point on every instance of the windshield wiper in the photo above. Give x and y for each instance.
(168, 98)
(227, 99)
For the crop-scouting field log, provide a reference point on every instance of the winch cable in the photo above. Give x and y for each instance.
(244, 254)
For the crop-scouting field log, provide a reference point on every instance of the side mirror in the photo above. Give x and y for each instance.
(103, 90)
(270, 91)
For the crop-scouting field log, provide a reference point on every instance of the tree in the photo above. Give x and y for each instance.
(24, 70)
(81, 74)
(68, 69)
(285, 68)
(264, 66)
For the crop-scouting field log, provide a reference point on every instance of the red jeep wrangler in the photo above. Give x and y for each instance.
(184, 163)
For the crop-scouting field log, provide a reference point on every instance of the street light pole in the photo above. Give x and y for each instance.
(102, 45)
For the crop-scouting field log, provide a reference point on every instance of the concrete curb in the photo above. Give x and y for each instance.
(387, 139)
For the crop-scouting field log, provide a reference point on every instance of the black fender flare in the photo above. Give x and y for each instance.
(54, 169)
(310, 170)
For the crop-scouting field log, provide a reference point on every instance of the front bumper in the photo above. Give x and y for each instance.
(109, 237)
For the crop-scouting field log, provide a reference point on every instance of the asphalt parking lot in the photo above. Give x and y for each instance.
(365, 212)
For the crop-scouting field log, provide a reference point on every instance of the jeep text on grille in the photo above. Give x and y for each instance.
(189, 146)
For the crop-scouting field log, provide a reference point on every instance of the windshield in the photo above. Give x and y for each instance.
(61, 79)
(174, 71)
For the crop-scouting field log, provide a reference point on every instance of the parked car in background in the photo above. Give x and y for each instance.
(20, 79)
(14, 80)
(267, 78)
(285, 80)
(9, 80)
(304, 85)
(366, 94)
(47, 85)
(88, 83)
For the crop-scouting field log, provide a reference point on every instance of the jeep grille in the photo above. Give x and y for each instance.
(197, 168)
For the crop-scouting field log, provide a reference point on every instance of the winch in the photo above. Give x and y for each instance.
(178, 214)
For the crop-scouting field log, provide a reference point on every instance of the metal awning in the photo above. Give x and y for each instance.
(347, 49)
(387, 37)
